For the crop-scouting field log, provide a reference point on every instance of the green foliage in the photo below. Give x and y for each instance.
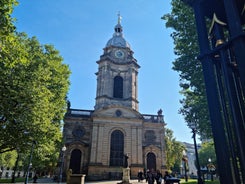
(10, 180)
(173, 150)
(34, 84)
(7, 159)
(6, 21)
(207, 151)
(191, 181)
(194, 104)
(45, 156)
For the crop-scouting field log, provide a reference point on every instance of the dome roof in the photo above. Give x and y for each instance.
(117, 39)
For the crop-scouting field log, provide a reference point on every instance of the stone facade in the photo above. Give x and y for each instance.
(97, 139)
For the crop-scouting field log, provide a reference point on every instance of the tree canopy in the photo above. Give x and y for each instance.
(194, 104)
(173, 150)
(6, 21)
(34, 85)
(207, 152)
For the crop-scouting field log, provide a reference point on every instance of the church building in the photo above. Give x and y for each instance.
(97, 140)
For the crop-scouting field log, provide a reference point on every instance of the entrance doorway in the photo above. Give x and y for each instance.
(151, 161)
(75, 162)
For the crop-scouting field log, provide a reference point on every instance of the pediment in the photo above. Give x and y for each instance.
(117, 112)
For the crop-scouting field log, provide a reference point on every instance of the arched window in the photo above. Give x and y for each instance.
(118, 87)
(117, 148)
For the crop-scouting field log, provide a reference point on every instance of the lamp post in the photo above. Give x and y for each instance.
(62, 162)
(199, 178)
(30, 164)
(181, 169)
(211, 169)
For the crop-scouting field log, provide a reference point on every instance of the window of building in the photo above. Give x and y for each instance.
(150, 137)
(117, 148)
(118, 87)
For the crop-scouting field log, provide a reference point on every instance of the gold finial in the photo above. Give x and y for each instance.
(219, 42)
(243, 10)
(215, 20)
(119, 18)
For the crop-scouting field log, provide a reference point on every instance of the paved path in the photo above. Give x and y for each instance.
(50, 181)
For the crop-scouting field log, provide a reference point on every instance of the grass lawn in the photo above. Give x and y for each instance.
(191, 181)
(9, 180)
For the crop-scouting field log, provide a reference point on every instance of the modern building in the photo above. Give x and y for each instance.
(190, 153)
(97, 140)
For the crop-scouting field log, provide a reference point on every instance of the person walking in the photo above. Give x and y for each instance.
(35, 178)
(140, 176)
(151, 177)
(166, 176)
(158, 177)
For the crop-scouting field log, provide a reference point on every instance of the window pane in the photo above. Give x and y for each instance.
(118, 87)
(117, 146)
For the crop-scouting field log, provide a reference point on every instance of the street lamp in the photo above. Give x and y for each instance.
(30, 164)
(211, 168)
(181, 169)
(193, 128)
(62, 162)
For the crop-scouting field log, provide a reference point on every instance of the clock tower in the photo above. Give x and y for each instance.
(97, 140)
(117, 74)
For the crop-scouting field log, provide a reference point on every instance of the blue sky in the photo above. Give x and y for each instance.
(80, 29)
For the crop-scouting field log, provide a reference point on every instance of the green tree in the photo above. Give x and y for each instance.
(6, 21)
(45, 157)
(207, 152)
(173, 150)
(33, 93)
(7, 160)
(34, 85)
(194, 104)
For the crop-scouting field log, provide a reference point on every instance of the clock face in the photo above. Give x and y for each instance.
(119, 54)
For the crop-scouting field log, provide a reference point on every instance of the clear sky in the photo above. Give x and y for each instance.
(80, 29)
